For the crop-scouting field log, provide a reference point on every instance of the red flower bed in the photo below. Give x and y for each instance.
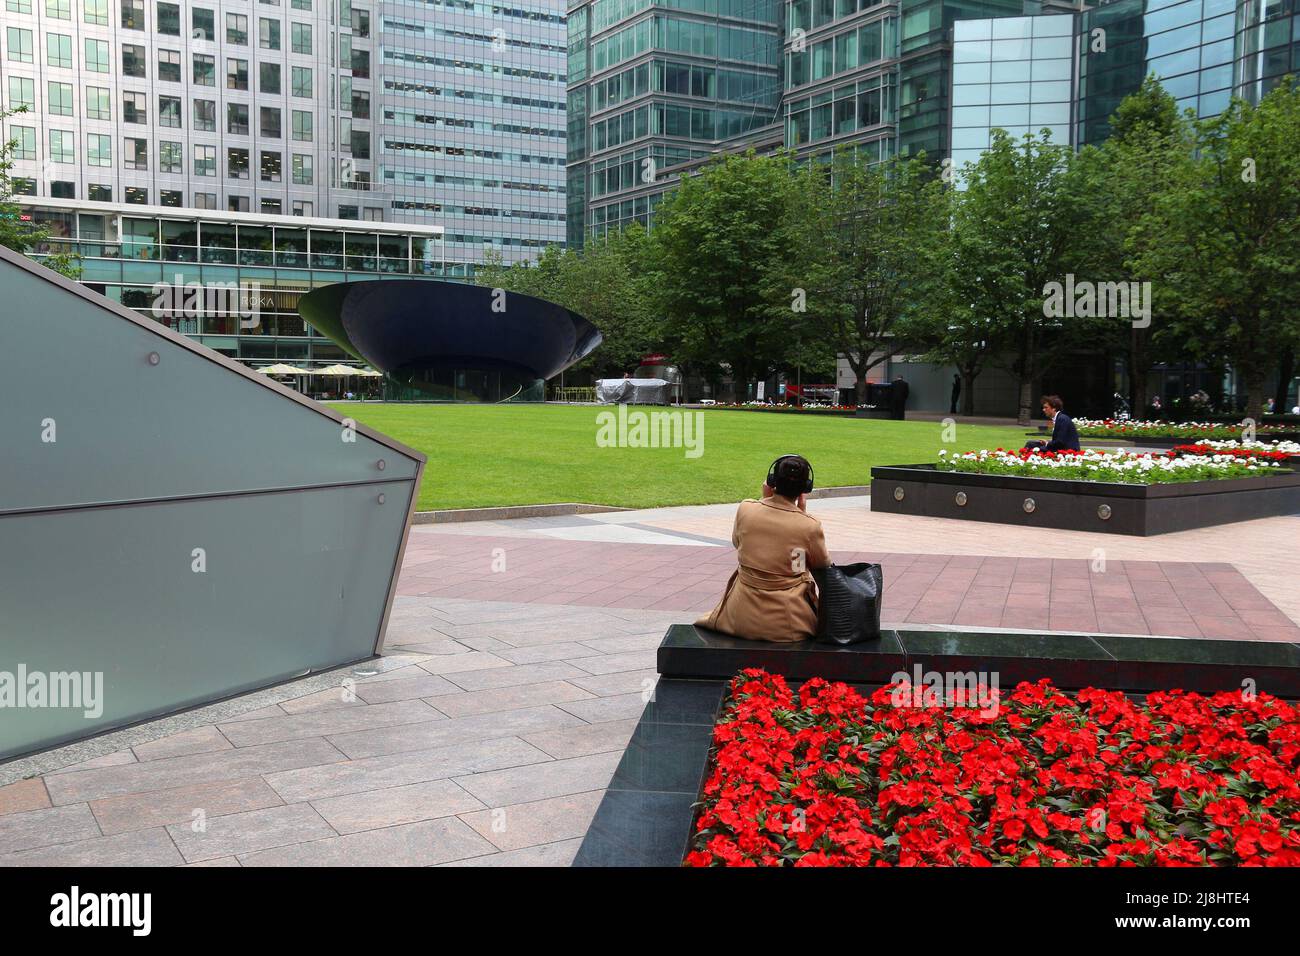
(826, 777)
(1230, 452)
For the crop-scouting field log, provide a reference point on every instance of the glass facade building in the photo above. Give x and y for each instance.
(1011, 72)
(653, 86)
(129, 253)
(429, 112)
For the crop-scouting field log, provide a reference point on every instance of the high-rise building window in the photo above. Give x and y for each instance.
(237, 203)
(361, 23)
(303, 207)
(58, 50)
(301, 4)
(169, 111)
(236, 163)
(135, 107)
(63, 146)
(360, 104)
(300, 77)
(18, 6)
(99, 149)
(302, 169)
(268, 34)
(205, 70)
(169, 65)
(95, 12)
(170, 158)
(137, 195)
(170, 197)
(133, 63)
(62, 189)
(25, 138)
(99, 193)
(132, 14)
(268, 78)
(236, 74)
(97, 55)
(57, 9)
(168, 16)
(205, 160)
(202, 23)
(272, 207)
(59, 98)
(99, 103)
(135, 153)
(270, 122)
(205, 200)
(300, 37)
(237, 29)
(205, 115)
(22, 93)
(237, 118)
(19, 43)
(270, 167)
(302, 126)
(361, 143)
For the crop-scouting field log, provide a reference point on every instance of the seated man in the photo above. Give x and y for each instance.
(1064, 435)
(772, 596)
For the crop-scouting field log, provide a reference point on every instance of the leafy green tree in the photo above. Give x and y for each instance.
(863, 244)
(713, 252)
(14, 233)
(1225, 234)
(603, 282)
(1151, 146)
(1029, 215)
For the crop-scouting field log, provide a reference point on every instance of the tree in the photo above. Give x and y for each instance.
(713, 252)
(1028, 216)
(16, 234)
(603, 282)
(1225, 234)
(1151, 145)
(863, 245)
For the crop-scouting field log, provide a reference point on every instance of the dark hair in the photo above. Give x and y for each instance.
(1053, 400)
(791, 476)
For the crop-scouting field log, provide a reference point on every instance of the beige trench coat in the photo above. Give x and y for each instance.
(771, 596)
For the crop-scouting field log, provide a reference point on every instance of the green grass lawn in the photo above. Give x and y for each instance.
(486, 455)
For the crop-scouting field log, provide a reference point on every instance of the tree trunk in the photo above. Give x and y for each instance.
(1137, 375)
(1255, 395)
(1285, 372)
(1026, 400)
(861, 386)
(968, 376)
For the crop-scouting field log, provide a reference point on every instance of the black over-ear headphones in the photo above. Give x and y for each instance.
(771, 474)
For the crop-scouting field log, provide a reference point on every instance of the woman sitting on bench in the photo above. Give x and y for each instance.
(771, 596)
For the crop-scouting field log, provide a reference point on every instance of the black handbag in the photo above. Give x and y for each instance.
(849, 609)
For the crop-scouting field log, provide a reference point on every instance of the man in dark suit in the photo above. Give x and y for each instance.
(1064, 435)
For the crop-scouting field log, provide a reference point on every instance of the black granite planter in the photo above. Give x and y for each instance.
(645, 817)
(1107, 507)
(1071, 661)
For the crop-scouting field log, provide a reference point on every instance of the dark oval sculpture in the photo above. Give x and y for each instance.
(451, 339)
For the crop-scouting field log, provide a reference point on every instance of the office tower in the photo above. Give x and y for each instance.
(284, 144)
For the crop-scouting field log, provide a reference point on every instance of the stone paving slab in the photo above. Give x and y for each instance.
(140, 811)
(143, 848)
(540, 822)
(457, 730)
(377, 773)
(413, 844)
(247, 832)
(395, 805)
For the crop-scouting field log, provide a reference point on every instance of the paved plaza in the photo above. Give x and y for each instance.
(519, 657)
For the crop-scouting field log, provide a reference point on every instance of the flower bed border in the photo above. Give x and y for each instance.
(1078, 505)
(646, 817)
